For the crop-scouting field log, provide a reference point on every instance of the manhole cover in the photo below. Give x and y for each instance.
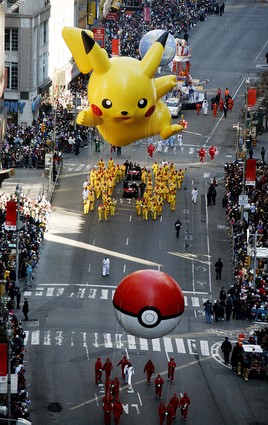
(54, 407)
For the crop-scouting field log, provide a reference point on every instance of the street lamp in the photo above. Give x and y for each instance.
(9, 336)
(17, 193)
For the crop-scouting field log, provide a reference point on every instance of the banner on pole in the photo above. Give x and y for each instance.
(3, 359)
(250, 172)
(11, 215)
(252, 97)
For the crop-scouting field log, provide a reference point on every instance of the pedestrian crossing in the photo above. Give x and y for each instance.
(94, 293)
(115, 341)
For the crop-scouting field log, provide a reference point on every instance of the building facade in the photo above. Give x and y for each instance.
(36, 56)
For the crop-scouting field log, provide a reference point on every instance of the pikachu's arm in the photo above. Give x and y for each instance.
(88, 119)
(164, 85)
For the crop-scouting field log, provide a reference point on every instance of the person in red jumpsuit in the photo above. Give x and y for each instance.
(230, 104)
(123, 362)
(108, 367)
(215, 109)
(212, 151)
(202, 153)
(115, 387)
(108, 383)
(158, 382)
(184, 405)
(149, 370)
(107, 409)
(221, 104)
(171, 369)
(161, 413)
(175, 403)
(198, 107)
(98, 370)
(117, 411)
(150, 150)
(169, 414)
(107, 398)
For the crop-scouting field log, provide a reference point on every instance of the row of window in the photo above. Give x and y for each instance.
(12, 45)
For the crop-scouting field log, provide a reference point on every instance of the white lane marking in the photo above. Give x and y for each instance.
(131, 342)
(144, 344)
(156, 344)
(180, 345)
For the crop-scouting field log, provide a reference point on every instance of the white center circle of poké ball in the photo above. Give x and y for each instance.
(149, 317)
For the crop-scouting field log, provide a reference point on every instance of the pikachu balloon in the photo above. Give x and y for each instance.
(124, 97)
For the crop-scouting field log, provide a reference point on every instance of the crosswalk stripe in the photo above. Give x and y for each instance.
(131, 342)
(119, 341)
(50, 292)
(180, 345)
(185, 301)
(192, 346)
(26, 339)
(204, 348)
(92, 293)
(195, 302)
(96, 340)
(144, 344)
(104, 294)
(108, 340)
(156, 344)
(35, 337)
(81, 292)
(47, 338)
(168, 345)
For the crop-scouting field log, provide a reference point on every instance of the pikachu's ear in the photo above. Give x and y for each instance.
(73, 39)
(151, 60)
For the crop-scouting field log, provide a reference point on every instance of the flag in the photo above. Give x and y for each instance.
(250, 172)
(3, 359)
(11, 215)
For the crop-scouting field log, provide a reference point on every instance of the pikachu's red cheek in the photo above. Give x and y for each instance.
(96, 110)
(150, 111)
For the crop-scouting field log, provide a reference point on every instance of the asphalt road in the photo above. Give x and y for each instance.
(71, 305)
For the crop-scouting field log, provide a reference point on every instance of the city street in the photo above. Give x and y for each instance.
(71, 312)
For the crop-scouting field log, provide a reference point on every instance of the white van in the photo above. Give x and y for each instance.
(174, 106)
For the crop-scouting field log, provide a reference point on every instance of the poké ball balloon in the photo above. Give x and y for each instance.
(148, 304)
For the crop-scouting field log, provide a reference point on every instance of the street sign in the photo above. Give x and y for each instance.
(99, 36)
(243, 200)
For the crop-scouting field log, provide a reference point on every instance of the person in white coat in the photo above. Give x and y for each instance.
(194, 194)
(105, 266)
(205, 107)
(128, 371)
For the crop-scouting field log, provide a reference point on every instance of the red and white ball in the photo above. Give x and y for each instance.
(148, 303)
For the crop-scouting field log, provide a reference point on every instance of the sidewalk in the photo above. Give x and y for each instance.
(33, 182)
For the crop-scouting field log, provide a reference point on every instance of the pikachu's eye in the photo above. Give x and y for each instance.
(142, 103)
(106, 103)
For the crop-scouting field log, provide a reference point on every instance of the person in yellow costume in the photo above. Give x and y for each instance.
(159, 205)
(101, 164)
(97, 189)
(110, 163)
(100, 212)
(112, 207)
(106, 210)
(145, 211)
(138, 206)
(110, 185)
(173, 202)
(91, 198)
(153, 211)
(155, 168)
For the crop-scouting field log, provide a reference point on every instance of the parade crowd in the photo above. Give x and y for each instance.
(111, 400)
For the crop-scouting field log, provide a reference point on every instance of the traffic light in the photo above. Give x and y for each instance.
(247, 262)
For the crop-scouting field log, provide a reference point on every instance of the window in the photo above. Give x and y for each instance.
(11, 39)
(12, 77)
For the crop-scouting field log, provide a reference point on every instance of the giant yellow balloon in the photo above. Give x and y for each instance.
(124, 97)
